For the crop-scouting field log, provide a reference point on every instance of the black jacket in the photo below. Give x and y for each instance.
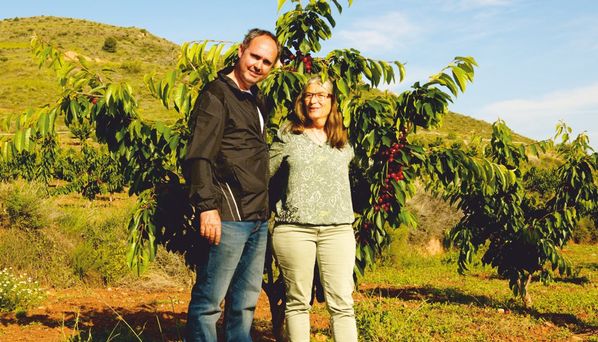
(226, 166)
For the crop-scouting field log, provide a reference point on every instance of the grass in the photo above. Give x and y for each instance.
(421, 298)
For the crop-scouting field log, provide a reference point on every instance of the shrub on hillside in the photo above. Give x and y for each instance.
(585, 231)
(23, 205)
(100, 258)
(109, 45)
(131, 67)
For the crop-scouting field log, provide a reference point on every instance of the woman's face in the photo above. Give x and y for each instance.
(317, 101)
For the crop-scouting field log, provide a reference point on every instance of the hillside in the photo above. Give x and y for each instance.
(24, 85)
(458, 127)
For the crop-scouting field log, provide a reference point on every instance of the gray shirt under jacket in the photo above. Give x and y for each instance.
(315, 187)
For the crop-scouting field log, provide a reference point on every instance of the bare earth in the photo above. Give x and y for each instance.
(161, 315)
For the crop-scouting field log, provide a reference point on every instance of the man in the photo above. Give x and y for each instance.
(226, 168)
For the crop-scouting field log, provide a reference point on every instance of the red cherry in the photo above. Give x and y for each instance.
(94, 100)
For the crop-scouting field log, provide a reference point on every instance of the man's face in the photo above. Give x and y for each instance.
(255, 61)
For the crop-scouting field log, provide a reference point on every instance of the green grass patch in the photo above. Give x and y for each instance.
(420, 298)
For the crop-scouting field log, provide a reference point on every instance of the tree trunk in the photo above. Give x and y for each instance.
(523, 290)
(276, 296)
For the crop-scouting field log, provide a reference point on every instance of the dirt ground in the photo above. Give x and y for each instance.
(161, 315)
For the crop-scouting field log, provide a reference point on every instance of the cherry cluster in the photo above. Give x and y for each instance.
(395, 172)
(288, 57)
(307, 61)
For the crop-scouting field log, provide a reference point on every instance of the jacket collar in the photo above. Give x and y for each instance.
(222, 74)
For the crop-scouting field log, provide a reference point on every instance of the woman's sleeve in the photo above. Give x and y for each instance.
(277, 153)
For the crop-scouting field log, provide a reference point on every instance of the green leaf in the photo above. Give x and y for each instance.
(401, 70)
(342, 86)
(460, 76)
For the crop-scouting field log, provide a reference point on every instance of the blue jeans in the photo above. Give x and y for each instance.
(234, 269)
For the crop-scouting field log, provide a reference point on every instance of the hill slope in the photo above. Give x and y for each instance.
(23, 85)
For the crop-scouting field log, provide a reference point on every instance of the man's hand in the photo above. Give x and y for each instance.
(210, 226)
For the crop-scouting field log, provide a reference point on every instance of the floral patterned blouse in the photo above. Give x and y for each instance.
(317, 189)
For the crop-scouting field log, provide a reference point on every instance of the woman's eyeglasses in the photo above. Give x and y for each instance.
(318, 96)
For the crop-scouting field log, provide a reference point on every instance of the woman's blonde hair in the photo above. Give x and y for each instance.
(334, 128)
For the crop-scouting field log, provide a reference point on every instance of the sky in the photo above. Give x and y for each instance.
(538, 59)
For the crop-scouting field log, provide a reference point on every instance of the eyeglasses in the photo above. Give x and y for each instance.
(319, 96)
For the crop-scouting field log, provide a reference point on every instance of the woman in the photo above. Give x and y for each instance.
(314, 216)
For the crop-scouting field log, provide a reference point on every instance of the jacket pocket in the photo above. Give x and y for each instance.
(251, 176)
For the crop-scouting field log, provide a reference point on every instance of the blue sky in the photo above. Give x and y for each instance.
(537, 58)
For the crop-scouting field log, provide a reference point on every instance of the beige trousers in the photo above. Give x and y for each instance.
(297, 248)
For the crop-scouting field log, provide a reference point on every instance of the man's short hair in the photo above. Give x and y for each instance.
(255, 32)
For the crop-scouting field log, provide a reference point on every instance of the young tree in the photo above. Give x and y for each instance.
(523, 233)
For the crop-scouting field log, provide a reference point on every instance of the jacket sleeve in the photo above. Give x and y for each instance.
(207, 128)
